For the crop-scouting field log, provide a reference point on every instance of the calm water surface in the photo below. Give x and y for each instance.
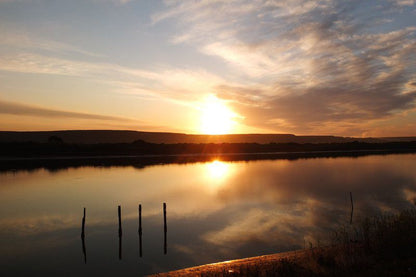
(215, 211)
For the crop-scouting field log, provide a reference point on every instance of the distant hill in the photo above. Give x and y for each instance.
(110, 136)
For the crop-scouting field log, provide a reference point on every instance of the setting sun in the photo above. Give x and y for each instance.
(216, 117)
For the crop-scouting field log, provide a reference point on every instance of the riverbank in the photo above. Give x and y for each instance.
(241, 266)
(378, 246)
(311, 262)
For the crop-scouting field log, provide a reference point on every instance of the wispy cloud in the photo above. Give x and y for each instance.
(404, 2)
(298, 66)
(307, 63)
(30, 110)
(163, 81)
(21, 41)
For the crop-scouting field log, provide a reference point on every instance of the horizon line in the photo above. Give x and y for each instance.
(196, 134)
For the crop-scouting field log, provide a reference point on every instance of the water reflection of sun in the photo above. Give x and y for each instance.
(217, 170)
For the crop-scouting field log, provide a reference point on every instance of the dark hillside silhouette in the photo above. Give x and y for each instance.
(57, 148)
(115, 136)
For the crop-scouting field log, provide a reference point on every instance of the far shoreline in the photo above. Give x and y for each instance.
(217, 155)
(10, 163)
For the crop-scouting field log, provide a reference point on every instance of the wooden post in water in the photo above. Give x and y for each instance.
(352, 207)
(83, 226)
(165, 229)
(119, 221)
(140, 230)
(84, 250)
(119, 233)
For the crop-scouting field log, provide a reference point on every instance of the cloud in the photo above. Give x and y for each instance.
(122, 2)
(163, 81)
(285, 202)
(259, 225)
(21, 41)
(300, 65)
(29, 110)
(404, 2)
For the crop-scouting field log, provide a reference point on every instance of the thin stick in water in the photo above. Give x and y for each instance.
(84, 249)
(140, 230)
(119, 233)
(165, 229)
(83, 225)
(119, 221)
(352, 207)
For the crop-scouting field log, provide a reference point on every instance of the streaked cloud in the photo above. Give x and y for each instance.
(23, 41)
(14, 115)
(405, 2)
(172, 83)
(307, 63)
(29, 110)
(301, 66)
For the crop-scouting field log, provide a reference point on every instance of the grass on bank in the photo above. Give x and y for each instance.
(378, 246)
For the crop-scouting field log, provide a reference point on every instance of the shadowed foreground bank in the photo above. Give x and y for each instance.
(379, 246)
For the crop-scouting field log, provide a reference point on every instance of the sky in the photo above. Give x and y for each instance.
(329, 67)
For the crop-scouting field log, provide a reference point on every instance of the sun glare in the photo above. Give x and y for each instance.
(217, 169)
(216, 117)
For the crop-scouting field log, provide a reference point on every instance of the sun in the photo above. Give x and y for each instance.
(216, 117)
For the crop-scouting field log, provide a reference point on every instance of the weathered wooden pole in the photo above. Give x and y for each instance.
(352, 207)
(83, 226)
(119, 233)
(119, 222)
(165, 229)
(140, 220)
(84, 250)
(119, 248)
(140, 230)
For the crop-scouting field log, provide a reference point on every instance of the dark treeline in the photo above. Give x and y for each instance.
(56, 148)
(60, 156)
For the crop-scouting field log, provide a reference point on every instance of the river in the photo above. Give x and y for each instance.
(216, 211)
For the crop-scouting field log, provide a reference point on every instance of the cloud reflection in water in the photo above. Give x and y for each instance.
(217, 210)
